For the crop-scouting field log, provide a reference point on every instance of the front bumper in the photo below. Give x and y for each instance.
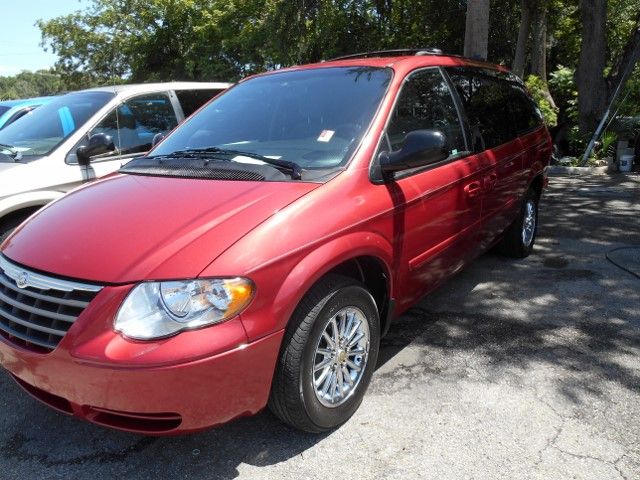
(195, 380)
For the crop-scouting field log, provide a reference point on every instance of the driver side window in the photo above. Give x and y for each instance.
(425, 103)
(133, 124)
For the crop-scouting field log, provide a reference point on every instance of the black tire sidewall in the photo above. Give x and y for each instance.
(527, 249)
(4, 235)
(325, 417)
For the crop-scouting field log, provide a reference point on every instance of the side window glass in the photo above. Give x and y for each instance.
(425, 103)
(525, 113)
(484, 99)
(134, 123)
(192, 100)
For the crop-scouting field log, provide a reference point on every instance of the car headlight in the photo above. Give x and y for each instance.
(160, 309)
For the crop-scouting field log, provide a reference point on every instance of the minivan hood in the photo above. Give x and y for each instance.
(129, 228)
(7, 165)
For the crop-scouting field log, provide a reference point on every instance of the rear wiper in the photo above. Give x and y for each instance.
(292, 168)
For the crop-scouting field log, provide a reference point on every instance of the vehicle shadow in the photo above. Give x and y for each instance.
(565, 307)
(589, 345)
(40, 443)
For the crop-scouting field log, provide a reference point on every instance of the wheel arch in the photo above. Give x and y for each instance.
(365, 257)
(26, 201)
(537, 184)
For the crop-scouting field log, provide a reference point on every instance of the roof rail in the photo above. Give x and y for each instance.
(391, 53)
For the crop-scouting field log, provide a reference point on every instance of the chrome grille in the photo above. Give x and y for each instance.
(37, 310)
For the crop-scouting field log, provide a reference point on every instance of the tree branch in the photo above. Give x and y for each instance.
(625, 64)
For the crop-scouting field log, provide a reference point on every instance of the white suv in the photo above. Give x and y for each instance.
(85, 135)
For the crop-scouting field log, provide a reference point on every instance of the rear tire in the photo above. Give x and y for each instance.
(304, 393)
(520, 236)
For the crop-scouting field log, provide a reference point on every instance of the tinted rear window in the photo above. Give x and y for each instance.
(192, 100)
(496, 104)
(525, 113)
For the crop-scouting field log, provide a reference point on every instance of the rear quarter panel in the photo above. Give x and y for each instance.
(537, 146)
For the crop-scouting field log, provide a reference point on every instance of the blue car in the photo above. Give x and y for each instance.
(12, 110)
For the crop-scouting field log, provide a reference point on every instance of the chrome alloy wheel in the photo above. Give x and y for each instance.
(341, 356)
(529, 223)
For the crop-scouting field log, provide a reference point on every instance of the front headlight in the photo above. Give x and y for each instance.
(160, 309)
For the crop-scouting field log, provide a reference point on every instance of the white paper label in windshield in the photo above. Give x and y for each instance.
(326, 135)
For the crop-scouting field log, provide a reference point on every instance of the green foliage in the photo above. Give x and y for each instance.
(537, 89)
(227, 39)
(30, 84)
(607, 145)
(576, 140)
(629, 102)
(562, 86)
(112, 41)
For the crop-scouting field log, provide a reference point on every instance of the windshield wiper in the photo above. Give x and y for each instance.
(292, 168)
(13, 150)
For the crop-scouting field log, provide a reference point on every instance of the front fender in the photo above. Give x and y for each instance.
(21, 201)
(277, 299)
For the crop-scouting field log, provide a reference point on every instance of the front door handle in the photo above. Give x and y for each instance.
(473, 189)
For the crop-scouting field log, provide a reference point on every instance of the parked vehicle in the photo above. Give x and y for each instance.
(85, 135)
(12, 110)
(258, 253)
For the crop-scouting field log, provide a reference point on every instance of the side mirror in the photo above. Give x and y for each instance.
(157, 138)
(98, 144)
(421, 147)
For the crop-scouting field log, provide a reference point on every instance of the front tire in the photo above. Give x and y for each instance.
(328, 356)
(519, 238)
(10, 223)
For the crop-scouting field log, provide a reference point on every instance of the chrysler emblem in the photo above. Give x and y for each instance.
(23, 280)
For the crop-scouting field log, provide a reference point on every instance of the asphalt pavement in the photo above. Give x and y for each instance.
(526, 369)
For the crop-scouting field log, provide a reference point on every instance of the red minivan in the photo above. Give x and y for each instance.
(258, 254)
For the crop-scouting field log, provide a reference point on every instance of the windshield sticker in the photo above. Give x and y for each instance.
(68, 125)
(326, 135)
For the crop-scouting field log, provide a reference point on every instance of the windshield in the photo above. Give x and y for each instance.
(313, 118)
(46, 127)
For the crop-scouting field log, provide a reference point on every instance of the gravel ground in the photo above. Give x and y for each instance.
(524, 369)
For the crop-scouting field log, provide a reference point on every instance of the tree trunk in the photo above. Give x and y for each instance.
(623, 68)
(592, 86)
(539, 47)
(523, 38)
(539, 38)
(476, 36)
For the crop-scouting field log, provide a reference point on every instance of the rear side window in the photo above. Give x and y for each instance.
(192, 100)
(485, 100)
(525, 113)
(496, 104)
(425, 103)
